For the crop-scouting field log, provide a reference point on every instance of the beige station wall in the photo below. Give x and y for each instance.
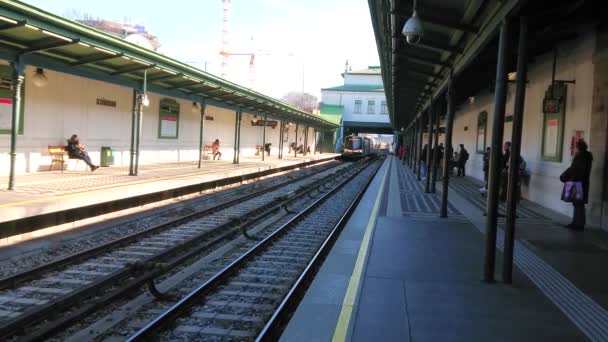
(575, 62)
(67, 105)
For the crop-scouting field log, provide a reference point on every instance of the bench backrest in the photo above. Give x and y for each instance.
(57, 149)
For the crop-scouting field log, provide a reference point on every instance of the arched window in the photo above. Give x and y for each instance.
(482, 124)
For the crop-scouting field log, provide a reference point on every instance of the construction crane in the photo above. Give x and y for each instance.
(225, 51)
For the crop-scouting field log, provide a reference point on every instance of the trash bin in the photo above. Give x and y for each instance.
(107, 158)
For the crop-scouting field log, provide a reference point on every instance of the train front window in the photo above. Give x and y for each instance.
(353, 144)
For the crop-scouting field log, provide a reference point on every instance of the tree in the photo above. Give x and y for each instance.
(305, 101)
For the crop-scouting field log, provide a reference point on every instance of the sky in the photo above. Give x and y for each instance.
(299, 44)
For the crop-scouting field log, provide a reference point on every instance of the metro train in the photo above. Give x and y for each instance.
(356, 147)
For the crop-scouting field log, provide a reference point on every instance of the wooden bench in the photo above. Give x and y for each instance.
(258, 149)
(207, 151)
(59, 155)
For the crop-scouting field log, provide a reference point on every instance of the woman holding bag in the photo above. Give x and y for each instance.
(576, 184)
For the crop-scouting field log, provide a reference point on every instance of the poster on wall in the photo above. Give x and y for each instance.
(481, 137)
(6, 113)
(168, 127)
(551, 135)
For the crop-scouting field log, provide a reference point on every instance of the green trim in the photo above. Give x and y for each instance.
(168, 108)
(7, 75)
(357, 88)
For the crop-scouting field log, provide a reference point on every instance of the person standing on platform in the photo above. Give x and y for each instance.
(576, 178)
(486, 169)
(78, 151)
(463, 156)
(215, 147)
(423, 161)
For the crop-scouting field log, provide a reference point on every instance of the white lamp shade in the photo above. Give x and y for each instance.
(39, 78)
(145, 101)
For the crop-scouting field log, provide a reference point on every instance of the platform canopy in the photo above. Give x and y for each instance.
(461, 36)
(45, 40)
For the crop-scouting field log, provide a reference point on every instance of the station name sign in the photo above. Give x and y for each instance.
(268, 123)
(108, 103)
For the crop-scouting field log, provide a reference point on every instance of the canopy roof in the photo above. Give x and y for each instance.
(460, 36)
(43, 39)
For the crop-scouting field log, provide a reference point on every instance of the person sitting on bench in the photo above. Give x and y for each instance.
(78, 151)
(267, 148)
(215, 147)
(292, 147)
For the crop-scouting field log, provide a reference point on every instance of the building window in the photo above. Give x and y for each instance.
(554, 110)
(371, 107)
(6, 100)
(383, 109)
(358, 106)
(168, 125)
(482, 125)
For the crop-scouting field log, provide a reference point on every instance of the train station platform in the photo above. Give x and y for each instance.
(45, 193)
(398, 272)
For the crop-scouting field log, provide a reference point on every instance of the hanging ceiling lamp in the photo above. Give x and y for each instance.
(39, 78)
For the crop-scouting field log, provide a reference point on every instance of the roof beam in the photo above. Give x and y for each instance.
(433, 45)
(426, 15)
(45, 45)
(183, 85)
(131, 68)
(419, 60)
(95, 58)
(423, 73)
(8, 26)
(162, 77)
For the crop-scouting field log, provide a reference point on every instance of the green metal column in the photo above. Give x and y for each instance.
(18, 78)
(436, 113)
(500, 93)
(295, 152)
(133, 134)
(305, 140)
(282, 128)
(139, 124)
(321, 141)
(447, 152)
(429, 147)
(264, 138)
(419, 150)
(236, 132)
(518, 113)
(201, 134)
(238, 149)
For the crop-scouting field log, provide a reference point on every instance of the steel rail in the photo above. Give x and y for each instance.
(149, 331)
(19, 324)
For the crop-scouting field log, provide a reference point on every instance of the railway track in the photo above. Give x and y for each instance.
(48, 298)
(252, 297)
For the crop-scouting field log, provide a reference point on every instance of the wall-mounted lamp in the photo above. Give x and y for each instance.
(39, 78)
(195, 107)
(145, 100)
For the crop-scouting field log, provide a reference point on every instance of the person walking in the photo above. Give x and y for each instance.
(77, 151)
(215, 147)
(576, 184)
(463, 156)
(486, 168)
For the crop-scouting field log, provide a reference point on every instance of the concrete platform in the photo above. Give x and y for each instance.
(48, 192)
(400, 273)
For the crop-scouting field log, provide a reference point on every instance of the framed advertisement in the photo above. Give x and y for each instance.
(482, 124)
(168, 123)
(554, 105)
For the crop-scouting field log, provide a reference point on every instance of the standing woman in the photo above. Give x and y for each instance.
(215, 148)
(578, 174)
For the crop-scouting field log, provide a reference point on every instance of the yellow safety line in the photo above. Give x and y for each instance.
(355, 279)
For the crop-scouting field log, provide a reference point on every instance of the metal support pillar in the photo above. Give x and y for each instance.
(419, 150)
(305, 140)
(201, 134)
(518, 114)
(133, 134)
(447, 151)
(264, 139)
(321, 141)
(496, 154)
(18, 78)
(295, 151)
(139, 108)
(236, 133)
(436, 120)
(238, 147)
(429, 148)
